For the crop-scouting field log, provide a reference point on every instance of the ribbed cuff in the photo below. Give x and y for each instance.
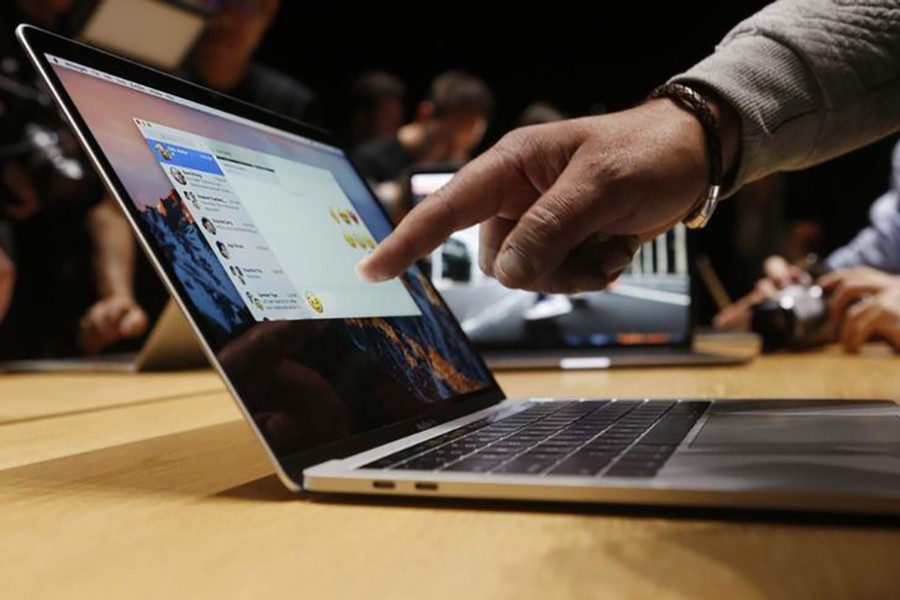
(772, 90)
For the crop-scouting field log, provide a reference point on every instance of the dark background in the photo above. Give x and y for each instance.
(584, 58)
(578, 56)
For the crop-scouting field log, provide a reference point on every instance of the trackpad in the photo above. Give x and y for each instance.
(770, 433)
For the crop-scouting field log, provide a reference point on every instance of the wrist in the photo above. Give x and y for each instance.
(120, 296)
(713, 116)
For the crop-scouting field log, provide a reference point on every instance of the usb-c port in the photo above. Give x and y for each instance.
(426, 486)
(383, 485)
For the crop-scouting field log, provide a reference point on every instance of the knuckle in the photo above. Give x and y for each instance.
(517, 140)
(546, 221)
(445, 212)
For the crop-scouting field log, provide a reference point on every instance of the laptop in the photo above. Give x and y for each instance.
(643, 319)
(361, 388)
(170, 346)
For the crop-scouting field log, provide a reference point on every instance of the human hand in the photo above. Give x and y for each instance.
(7, 282)
(111, 320)
(847, 286)
(778, 274)
(223, 54)
(563, 207)
(874, 317)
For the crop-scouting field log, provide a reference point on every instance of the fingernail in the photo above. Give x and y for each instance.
(632, 242)
(511, 267)
(364, 271)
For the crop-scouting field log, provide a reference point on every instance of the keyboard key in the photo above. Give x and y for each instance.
(526, 466)
(426, 462)
(474, 464)
(582, 464)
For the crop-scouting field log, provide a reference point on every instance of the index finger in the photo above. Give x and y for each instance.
(474, 194)
(829, 281)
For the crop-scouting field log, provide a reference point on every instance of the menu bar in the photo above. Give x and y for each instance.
(67, 64)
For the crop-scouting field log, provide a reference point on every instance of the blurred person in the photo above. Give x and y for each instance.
(107, 311)
(223, 60)
(865, 267)
(828, 204)
(52, 203)
(378, 107)
(448, 126)
(565, 206)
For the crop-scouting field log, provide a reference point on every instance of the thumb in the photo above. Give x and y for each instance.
(559, 221)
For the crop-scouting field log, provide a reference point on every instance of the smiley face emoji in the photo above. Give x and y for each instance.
(163, 152)
(345, 217)
(334, 216)
(315, 303)
(348, 237)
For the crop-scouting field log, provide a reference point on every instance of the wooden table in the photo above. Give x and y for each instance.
(150, 486)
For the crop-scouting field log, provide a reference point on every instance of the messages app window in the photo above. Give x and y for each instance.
(285, 232)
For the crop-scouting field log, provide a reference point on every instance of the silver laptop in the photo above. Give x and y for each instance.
(643, 319)
(256, 223)
(170, 346)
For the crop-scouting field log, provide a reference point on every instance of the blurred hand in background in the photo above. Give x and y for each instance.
(778, 274)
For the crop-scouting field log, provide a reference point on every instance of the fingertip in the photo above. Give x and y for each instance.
(368, 271)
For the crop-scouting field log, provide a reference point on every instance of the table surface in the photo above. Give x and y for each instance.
(150, 486)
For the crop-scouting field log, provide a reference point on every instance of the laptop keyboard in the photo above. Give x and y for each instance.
(606, 438)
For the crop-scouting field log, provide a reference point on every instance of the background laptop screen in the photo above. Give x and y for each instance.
(261, 231)
(648, 305)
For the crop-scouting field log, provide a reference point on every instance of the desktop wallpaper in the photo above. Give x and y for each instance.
(307, 382)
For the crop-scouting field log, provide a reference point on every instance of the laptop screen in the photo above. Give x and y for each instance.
(260, 231)
(648, 305)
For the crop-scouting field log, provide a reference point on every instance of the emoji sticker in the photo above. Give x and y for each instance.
(351, 241)
(334, 216)
(315, 303)
(163, 152)
(370, 243)
(345, 217)
(354, 218)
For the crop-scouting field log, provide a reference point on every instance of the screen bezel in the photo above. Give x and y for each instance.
(686, 343)
(38, 43)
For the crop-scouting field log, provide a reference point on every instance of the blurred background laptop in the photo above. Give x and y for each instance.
(643, 319)
(170, 346)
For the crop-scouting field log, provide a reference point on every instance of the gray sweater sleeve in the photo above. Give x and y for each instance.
(810, 79)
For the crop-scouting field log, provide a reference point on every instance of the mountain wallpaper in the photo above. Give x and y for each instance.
(196, 267)
(310, 382)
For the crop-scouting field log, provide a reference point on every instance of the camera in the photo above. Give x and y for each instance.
(796, 319)
(32, 134)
